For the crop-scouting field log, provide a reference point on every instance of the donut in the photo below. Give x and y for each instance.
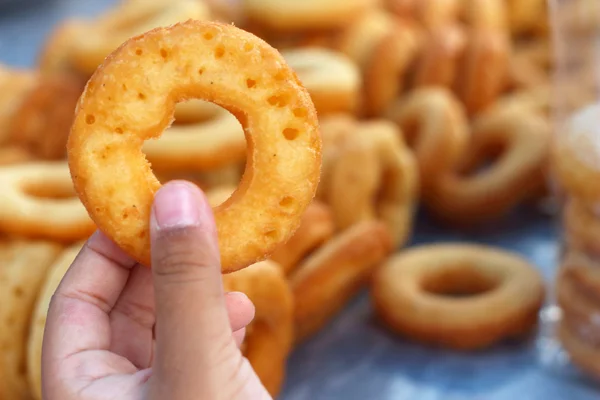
(270, 336)
(527, 17)
(215, 62)
(435, 126)
(518, 142)
(385, 186)
(15, 84)
(52, 279)
(38, 201)
(581, 228)
(432, 14)
(582, 354)
(483, 68)
(306, 15)
(196, 147)
(24, 267)
(574, 155)
(485, 14)
(438, 58)
(316, 228)
(331, 78)
(324, 282)
(442, 294)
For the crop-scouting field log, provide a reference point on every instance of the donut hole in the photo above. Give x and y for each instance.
(48, 190)
(459, 282)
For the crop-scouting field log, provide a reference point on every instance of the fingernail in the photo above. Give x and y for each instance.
(176, 205)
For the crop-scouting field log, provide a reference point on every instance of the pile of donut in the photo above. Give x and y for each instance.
(442, 103)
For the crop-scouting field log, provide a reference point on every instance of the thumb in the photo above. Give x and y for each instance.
(193, 333)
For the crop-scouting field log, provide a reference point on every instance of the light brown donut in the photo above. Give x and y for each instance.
(316, 228)
(528, 17)
(384, 187)
(432, 14)
(485, 14)
(215, 62)
(584, 355)
(332, 79)
(518, 142)
(434, 124)
(23, 269)
(332, 275)
(15, 84)
(270, 335)
(52, 279)
(483, 68)
(438, 59)
(412, 293)
(581, 228)
(38, 201)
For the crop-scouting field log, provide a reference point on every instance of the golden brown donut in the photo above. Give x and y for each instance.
(38, 201)
(390, 61)
(52, 279)
(316, 228)
(415, 291)
(211, 144)
(305, 15)
(375, 177)
(530, 64)
(55, 55)
(434, 124)
(270, 335)
(518, 143)
(15, 84)
(23, 269)
(332, 79)
(584, 355)
(430, 13)
(528, 17)
(581, 227)
(438, 59)
(483, 68)
(486, 14)
(332, 275)
(215, 62)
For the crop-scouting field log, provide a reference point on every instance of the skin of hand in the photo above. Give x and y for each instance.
(118, 330)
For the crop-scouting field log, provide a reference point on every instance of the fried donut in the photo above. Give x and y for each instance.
(332, 79)
(575, 155)
(584, 355)
(41, 124)
(15, 84)
(518, 142)
(413, 293)
(483, 68)
(390, 61)
(305, 15)
(485, 14)
(270, 335)
(214, 62)
(430, 13)
(38, 201)
(55, 274)
(332, 275)
(434, 124)
(581, 227)
(55, 56)
(24, 266)
(528, 17)
(438, 58)
(215, 143)
(385, 186)
(316, 228)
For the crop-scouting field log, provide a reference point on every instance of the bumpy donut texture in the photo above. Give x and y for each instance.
(121, 108)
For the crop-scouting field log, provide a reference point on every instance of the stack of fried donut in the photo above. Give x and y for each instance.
(386, 105)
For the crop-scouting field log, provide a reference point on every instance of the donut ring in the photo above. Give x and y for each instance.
(24, 266)
(211, 61)
(39, 202)
(469, 196)
(332, 275)
(332, 79)
(388, 173)
(410, 292)
(55, 274)
(270, 336)
(316, 228)
(196, 147)
(434, 124)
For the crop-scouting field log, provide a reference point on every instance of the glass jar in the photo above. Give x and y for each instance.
(572, 334)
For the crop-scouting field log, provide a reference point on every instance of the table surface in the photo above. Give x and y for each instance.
(354, 357)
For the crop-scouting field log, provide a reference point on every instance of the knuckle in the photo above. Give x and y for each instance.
(181, 261)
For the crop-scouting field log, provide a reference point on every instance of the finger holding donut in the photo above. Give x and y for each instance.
(270, 336)
(442, 294)
(332, 275)
(209, 61)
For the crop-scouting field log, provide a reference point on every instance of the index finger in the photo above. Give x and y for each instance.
(78, 317)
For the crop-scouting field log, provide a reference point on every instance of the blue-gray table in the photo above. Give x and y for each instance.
(354, 357)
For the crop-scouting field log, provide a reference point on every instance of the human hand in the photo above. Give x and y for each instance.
(119, 330)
